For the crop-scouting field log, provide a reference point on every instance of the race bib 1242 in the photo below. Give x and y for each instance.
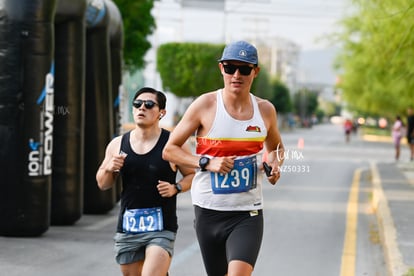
(142, 220)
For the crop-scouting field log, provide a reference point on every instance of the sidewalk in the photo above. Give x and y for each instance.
(393, 200)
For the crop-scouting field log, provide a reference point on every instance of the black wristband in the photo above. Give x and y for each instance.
(178, 187)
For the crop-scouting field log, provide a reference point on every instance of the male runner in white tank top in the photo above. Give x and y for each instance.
(233, 129)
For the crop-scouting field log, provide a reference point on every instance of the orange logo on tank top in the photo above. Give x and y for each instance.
(253, 129)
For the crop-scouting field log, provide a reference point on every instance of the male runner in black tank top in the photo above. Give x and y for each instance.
(147, 223)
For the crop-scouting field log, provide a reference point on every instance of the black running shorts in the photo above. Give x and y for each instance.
(224, 236)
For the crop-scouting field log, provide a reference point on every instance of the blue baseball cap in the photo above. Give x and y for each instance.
(240, 51)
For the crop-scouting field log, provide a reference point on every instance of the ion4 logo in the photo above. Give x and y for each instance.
(40, 155)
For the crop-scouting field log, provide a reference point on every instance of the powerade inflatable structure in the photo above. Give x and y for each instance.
(60, 73)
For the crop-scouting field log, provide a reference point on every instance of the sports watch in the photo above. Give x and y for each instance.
(203, 162)
(178, 187)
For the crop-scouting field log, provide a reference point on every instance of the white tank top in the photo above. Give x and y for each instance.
(241, 189)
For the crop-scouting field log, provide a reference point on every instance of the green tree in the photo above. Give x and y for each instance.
(329, 108)
(280, 97)
(376, 63)
(189, 69)
(138, 23)
(305, 103)
(261, 85)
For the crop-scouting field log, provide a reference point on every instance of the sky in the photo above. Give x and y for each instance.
(299, 21)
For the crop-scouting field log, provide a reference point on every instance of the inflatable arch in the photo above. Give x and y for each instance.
(60, 68)
(101, 87)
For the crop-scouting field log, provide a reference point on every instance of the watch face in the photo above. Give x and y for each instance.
(203, 163)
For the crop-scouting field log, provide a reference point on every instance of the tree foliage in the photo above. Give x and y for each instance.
(189, 69)
(305, 103)
(280, 97)
(261, 85)
(376, 63)
(138, 24)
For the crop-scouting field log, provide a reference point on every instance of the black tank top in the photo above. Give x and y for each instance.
(140, 175)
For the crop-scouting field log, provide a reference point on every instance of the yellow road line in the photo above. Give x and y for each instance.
(349, 250)
(393, 257)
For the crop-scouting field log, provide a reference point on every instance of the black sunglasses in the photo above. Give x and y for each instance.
(147, 103)
(243, 69)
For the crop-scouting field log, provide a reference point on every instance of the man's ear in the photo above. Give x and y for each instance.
(220, 66)
(256, 71)
(162, 114)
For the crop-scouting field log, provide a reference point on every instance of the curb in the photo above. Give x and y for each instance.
(393, 258)
(378, 138)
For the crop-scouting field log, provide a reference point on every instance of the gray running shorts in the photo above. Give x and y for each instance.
(130, 248)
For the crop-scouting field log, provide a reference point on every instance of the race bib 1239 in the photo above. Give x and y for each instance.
(242, 178)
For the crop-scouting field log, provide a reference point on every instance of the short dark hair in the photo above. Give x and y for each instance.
(161, 98)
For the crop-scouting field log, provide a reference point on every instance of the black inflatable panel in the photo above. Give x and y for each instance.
(26, 115)
(67, 177)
